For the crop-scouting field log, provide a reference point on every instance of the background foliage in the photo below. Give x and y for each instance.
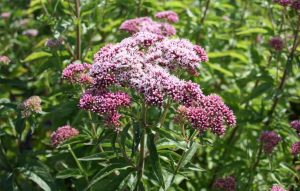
(243, 69)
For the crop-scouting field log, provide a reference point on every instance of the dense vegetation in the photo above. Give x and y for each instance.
(150, 95)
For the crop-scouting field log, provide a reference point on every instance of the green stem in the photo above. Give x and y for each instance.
(79, 164)
(78, 30)
(123, 150)
(164, 114)
(141, 162)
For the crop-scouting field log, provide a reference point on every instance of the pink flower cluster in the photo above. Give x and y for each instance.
(144, 62)
(5, 15)
(269, 140)
(31, 32)
(296, 125)
(210, 113)
(146, 24)
(170, 16)
(63, 133)
(276, 43)
(295, 148)
(226, 184)
(283, 2)
(30, 106)
(54, 43)
(105, 104)
(294, 4)
(4, 59)
(277, 188)
(77, 73)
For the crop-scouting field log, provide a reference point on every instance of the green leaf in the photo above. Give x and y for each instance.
(259, 90)
(230, 53)
(220, 69)
(189, 154)
(154, 159)
(69, 173)
(248, 31)
(37, 55)
(119, 171)
(99, 156)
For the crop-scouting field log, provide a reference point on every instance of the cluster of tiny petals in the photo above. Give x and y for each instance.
(146, 24)
(77, 73)
(4, 59)
(276, 43)
(269, 140)
(295, 148)
(105, 104)
(296, 5)
(170, 16)
(31, 32)
(210, 113)
(30, 106)
(296, 125)
(177, 53)
(5, 15)
(283, 2)
(143, 62)
(62, 134)
(226, 184)
(53, 43)
(277, 188)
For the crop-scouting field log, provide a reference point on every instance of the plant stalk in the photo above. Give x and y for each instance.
(78, 30)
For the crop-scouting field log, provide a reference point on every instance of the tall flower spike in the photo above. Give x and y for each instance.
(30, 106)
(269, 140)
(170, 16)
(226, 184)
(62, 134)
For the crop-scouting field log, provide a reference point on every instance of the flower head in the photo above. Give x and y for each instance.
(295, 148)
(296, 5)
(30, 106)
(146, 63)
(63, 133)
(5, 15)
(31, 32)
(226, 184)
(277, 188)
(53, 43)
(276, 43)
(269, 140)
(77, 73)
(283, 2)
(296, 125)
(4, 60)
(146, 24)
(170, 16)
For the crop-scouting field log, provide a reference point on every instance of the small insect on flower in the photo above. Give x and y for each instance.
(277, 188)
(62, 134)
(30, 106)
(170, 16)
(4, 60)
(77, 73)
(269, 140)
(276, 43)
(296, 125)
(31, 32)
(295, 148)
(225, 184)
